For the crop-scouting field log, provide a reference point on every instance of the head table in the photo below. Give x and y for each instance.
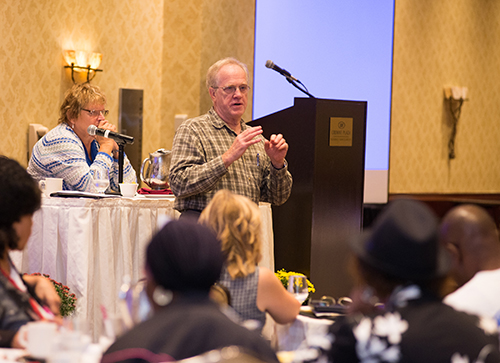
(90, 245)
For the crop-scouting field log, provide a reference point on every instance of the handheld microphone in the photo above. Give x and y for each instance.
(283, 72)
(119, 138)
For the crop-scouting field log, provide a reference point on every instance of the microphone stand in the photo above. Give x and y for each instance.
(290, 80)
(121, 152)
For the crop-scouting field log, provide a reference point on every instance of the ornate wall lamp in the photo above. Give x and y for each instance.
(455, 96)
(81, 61)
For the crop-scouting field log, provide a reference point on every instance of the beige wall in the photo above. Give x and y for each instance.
(438, 43)
(165, 47)
(161, 46)
(33, 80)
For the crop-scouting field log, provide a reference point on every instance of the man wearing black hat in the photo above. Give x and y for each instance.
(402, 265)
(182, 262)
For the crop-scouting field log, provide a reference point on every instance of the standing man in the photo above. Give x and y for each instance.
(219, 151)
(470, 234)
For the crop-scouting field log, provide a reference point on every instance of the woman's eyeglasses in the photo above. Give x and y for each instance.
(96, 113)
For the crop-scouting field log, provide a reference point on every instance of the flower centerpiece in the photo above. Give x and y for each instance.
(283, 275)
(68, 299)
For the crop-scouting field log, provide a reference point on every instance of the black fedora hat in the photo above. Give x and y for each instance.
(403, 242)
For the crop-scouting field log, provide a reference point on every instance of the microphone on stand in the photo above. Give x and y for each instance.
(119, 138)
(283, 72)
(292, 80)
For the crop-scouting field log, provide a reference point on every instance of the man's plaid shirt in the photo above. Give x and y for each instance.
(197, 171)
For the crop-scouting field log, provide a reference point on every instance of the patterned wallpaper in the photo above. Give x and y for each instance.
(161, 46)
(197, 34)
(439, 43)
(127, 32)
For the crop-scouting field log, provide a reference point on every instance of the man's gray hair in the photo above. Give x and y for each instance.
(213, 71)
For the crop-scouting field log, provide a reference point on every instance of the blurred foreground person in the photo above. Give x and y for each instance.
(254, 290)
(182, 262)
(403, 266)
(22, 298)
(470, 234)
(69, 152)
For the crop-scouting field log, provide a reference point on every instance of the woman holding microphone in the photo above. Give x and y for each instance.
(69, 152)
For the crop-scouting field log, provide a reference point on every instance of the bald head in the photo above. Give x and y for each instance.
(470, 234)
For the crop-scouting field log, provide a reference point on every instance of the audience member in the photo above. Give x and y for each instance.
(470, 234)
(402, 263)
(253, 290)
(69, 152)
(22, 298)
(218, 150)
(182, 262)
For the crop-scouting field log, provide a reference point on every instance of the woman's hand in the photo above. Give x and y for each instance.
(45, 291)
(107, 145)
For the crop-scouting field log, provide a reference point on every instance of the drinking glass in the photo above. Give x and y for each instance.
(101, 180)
(297, 286)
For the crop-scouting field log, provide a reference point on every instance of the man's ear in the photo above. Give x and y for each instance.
(456, 254)
(212, 91)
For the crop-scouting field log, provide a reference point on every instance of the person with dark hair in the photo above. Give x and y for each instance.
(183, 261)
(69, 152)
(22, 298)
(471, 236)
(403, 266)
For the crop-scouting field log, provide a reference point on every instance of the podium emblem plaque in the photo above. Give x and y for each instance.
(340, 131)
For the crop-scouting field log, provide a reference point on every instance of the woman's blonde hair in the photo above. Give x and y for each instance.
(235, 219)
(77, 97)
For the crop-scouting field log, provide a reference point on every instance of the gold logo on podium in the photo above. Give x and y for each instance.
(340, 131)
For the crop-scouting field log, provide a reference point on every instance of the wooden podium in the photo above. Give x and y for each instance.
(326, 156)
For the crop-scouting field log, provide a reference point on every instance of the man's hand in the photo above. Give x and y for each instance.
(45, 291)
(276, 148)
(241, 144)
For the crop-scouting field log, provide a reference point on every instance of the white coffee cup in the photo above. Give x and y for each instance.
(128, 189)
(38, 337)
(50, 185)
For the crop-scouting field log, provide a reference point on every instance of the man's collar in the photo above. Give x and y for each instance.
(219, 123)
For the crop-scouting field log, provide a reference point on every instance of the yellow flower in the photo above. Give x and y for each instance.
(283, 275)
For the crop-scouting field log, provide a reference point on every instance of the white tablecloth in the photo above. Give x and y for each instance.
(301, 334)
(91, 244)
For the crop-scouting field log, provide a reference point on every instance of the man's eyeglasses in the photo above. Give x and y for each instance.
(96, 113)
(230, 90)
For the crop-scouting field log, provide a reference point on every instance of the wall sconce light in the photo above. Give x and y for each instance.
(455, 96)
(81, 61)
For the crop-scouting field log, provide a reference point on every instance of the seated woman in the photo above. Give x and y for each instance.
(254, 290)
(183, 261)
(69, 152)
(402, 265)
(22, 298)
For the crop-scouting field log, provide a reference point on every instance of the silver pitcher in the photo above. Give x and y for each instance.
(158, 166)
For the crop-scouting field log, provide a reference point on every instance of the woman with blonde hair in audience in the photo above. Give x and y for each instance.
(254, 290)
